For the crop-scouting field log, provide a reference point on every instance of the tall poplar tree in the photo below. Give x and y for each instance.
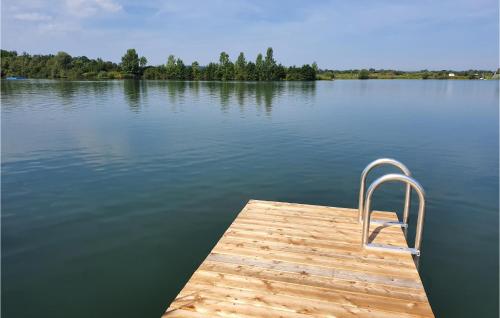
(240, 73)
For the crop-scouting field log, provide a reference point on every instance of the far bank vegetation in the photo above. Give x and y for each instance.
(263, 68)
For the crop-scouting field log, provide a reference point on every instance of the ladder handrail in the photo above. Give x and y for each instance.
(421, 211)
(362, 186)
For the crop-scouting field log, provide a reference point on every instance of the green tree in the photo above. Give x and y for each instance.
(315, 67)
(269, 65)
(240, 72)
(63, 60)
(170, 67)
(195, 71)
(130, 62)
(280, 72)
(304, 73)
(251, 72)
(223, 58)
(307, 73)
(259, 68)
(229, 71)
(293, 74)
(52, 66)
(63, 65)
(210, 72)
(6, 54)
(180, 70)
(226, 68)
(364, 74)
(143, 61)
(60, 66)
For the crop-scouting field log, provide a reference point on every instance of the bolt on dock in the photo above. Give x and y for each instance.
(295, 260)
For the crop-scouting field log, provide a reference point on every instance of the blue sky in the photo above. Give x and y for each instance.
(402, 34)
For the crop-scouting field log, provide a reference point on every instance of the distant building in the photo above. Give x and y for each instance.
(451, 74)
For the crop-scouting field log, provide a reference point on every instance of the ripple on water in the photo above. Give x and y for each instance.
(126, 185)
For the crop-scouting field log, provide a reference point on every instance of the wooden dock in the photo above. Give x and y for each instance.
(299, 261)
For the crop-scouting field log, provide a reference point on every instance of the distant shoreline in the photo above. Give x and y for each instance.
(413, 75)
(236, 81)
(265, 68)
(319, 77)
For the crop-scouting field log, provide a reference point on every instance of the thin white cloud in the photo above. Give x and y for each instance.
(32, 17)
(87, 8)
(334, 33)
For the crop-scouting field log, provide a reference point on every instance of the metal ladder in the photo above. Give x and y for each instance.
(364, 209)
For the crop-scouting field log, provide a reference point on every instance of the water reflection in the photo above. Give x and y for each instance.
(109, 171)
(69, 94)
(262, 95)
(135, 93)
(228, 94)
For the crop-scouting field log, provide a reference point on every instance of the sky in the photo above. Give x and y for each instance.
(337, 34)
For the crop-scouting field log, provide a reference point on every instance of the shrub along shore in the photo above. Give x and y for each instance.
(265, 68)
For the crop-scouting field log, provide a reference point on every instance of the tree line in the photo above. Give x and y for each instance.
(264, 68)
(63, 65)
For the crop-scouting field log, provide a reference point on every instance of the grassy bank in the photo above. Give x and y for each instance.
(395, 74)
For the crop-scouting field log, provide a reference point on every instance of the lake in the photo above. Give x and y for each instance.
(113, 192)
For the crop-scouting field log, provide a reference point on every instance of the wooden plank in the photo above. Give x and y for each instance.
(298, 305)
(283, 266)
(220, 308)
(348, 216)
(305, 280)
(374, 257)
(320, 223)
(341, 297)
(317, 243)
(315, 209)
(294, 260)
(304, 259)
(329, 235)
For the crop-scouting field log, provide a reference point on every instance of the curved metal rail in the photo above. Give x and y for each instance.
(364, 174)
(415, 251)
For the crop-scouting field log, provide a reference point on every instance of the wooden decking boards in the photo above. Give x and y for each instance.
(298, 261)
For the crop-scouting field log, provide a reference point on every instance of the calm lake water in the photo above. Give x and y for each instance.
(113, 192)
